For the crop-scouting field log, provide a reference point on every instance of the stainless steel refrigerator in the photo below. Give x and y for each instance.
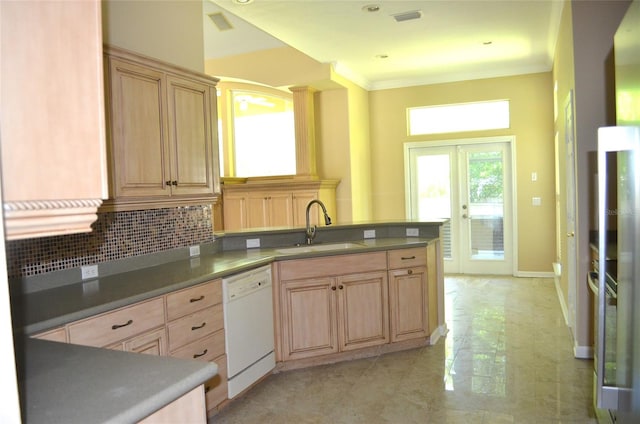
(617, 349)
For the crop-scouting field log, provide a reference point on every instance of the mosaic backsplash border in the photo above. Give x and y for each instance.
(115, 235)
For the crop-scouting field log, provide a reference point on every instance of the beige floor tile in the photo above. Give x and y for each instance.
(507, 359)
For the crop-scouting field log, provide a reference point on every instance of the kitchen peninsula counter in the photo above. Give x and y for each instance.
(37, 310)
(66, 383)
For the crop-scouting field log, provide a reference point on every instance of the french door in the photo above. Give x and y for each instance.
(470, 183)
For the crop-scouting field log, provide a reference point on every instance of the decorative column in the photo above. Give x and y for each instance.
(304, 119)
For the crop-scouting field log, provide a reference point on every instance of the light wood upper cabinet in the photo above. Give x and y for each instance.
(279, 203)
(162, 138)
(51, 117)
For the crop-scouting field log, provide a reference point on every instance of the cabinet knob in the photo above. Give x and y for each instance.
(167, 183)
(174, 183)
(333, 288)
(410, 272)
(341, 287)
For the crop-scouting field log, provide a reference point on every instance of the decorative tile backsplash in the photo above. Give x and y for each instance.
(115, 235)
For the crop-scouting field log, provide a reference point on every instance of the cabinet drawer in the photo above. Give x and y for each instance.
(188, 301)
(215, 389)
(192, 327)
(406, 258)
(321, 267)
(204, 349)
(118, 325)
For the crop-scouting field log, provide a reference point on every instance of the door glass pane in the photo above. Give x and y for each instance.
(434, 193)
(486, 204)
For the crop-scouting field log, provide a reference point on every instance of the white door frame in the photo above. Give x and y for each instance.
(509, 140)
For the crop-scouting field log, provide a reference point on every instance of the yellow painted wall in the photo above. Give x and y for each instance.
(169, 30)
(531, 100)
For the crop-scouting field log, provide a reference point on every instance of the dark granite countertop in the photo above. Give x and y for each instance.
(46, 309)
(65, 383)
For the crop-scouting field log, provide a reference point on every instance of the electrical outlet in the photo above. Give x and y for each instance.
(253, 243)
(194, 250)
(536, 201)
(194, 263)
(89, 271)
(413, 232)
(368, 234)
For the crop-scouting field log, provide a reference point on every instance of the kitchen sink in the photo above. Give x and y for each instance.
(318, 248)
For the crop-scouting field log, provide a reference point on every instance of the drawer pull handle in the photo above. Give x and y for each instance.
(197, 299)
(404, 258)
(206, 389)
(197, 355)
(197, 327)
(116, 326)
(410, 272)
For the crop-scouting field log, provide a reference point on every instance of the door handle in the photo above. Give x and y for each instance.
(571, 234)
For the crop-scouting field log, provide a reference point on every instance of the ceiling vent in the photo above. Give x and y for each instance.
(220, 21)
(407, 16)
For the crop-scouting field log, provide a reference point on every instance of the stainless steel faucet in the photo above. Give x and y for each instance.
(311, 232)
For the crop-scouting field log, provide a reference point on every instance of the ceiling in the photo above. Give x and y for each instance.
(452, 40)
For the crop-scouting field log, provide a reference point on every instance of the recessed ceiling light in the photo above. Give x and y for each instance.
(487, 43)
(371, 8)
(382, 56)
(242, 1)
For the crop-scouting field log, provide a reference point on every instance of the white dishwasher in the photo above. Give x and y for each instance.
(248, 324)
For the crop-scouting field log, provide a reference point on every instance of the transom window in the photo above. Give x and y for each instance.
(460, 117)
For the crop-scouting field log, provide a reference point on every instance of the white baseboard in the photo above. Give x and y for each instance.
(563, 303)
(441, 331)
(583, 352)
(533, 274)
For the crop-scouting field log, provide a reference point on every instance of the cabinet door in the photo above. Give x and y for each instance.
(280, 209)
(300, 201)
(363, 318)
(151, 343)
(308, 318)
(51, 117)
(408, 303)
(191, 137)
(139, 144)
(235, 211)
(257, 210)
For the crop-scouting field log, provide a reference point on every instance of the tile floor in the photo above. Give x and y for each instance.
(506, 359)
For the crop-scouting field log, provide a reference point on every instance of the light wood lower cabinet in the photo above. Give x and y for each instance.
(196, 331)
(329, 314)
(189, 408)
(408, 294)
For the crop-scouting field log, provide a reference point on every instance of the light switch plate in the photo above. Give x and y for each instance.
(253, 243)
(536, 201)
(413, 232)
(194, 250)
(368, 234)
